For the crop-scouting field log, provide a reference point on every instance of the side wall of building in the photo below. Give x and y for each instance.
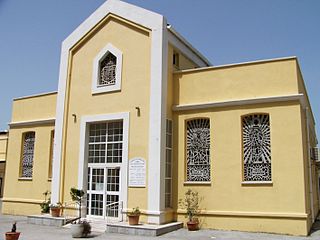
(23, 195)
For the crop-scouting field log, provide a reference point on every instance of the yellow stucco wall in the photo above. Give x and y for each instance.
(35, 107)
(226, 200)
(273, 78)
(134, 42)
(3, 146)
(22, 196)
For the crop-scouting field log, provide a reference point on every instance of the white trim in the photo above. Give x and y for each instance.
(239, 102)
(256, 183)
(35, 95)
(157, 24)
(236, 64)
(82, 174)
(109, 48)
(157, 121)
(32, 122)
(186, 48)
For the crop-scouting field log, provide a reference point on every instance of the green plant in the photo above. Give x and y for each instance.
(45, 208)
(57, 205)
(135, 212)
(190, 203)
(86, 228)
(14, 227)
(77, 196)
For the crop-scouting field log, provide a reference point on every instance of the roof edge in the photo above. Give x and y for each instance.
(189, 45)
(35, 95)
(237, 64)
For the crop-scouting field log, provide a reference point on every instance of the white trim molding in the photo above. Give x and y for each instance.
(240, 102)
(41, 122)
(83, 150)
(109, 48)
(158, 91)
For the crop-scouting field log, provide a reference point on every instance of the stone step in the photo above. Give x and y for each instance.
(143, 229)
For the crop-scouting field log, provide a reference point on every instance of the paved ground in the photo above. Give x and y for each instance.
(35, 232)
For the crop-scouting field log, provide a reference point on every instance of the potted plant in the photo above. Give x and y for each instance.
(134, 216)
(13, 235)
(56, 209)
(79, 228)
(45, 205)
(191, 204)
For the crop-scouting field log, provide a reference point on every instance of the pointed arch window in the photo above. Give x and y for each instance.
(256, 148)
(108, 70)
(198, 150)
(27, 155)
(107, 67)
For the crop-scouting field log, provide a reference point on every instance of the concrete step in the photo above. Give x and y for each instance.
(143, 229)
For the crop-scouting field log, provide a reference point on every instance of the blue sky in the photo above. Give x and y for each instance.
(225, 31)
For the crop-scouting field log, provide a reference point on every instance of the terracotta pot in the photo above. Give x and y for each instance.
(133, 219)
(193, 225)
(12, 235)
(55, 212)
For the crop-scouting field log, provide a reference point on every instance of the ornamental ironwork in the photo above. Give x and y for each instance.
(256, 147)
(198, 150)
(108, 70)
(27, 155)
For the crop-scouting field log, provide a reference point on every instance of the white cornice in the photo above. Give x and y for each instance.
(32, 122)
(35, 95)
(235, 65)
(185, 47)
(240, 102)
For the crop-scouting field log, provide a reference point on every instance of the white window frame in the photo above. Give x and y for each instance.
(96, 88)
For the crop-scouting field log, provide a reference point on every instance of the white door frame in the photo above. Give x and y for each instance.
(83, 151)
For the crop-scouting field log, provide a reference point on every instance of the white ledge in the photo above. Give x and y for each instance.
(196, 183)
(257, 183)
(33, 122)
(239, 102)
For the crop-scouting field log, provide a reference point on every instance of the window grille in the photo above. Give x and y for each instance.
(168, 173)
(314, 153)
(108, 70)
(256, 147)
(27, 154)
(198, 150)
(106, 142)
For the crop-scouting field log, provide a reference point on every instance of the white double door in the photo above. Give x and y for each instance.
(103, 191)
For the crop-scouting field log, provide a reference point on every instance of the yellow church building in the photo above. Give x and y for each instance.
(140, 117)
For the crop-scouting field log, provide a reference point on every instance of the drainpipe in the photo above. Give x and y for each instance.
(310, 165)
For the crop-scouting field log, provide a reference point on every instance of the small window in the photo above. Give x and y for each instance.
(108, 71)
(51, 153)
(27, 154)
(107, 67)
(198, 150)
(175, 59)
(168, 173)
(256, 148)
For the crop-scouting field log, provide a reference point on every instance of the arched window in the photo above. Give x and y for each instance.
(256, 147)
(198, 150)
(108, 70)
(27, 154)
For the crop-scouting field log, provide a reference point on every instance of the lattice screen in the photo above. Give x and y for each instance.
(198, 150)
(256, 147)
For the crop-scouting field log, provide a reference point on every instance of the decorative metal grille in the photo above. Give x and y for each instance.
(108, 70)
(198, 150)
(27, 155)
(256, 147)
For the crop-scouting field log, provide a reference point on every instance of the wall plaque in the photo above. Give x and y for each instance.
(137, 172)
